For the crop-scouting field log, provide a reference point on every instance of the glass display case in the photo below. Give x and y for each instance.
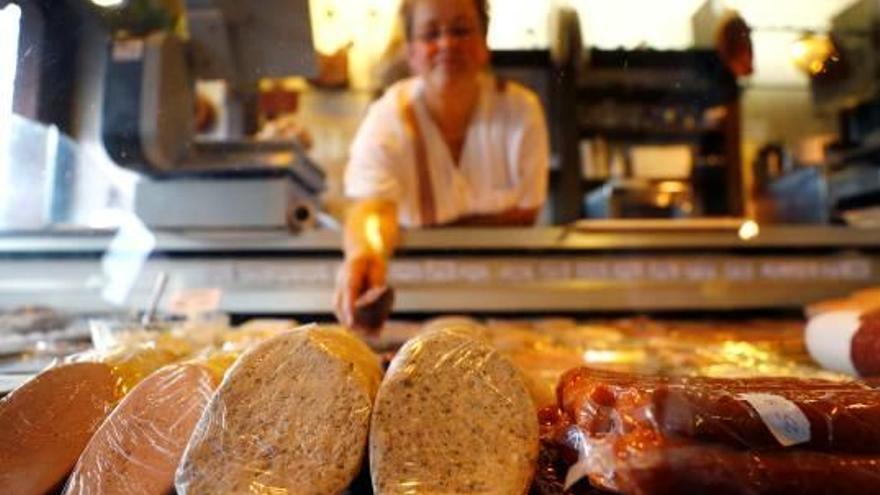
(692, 308)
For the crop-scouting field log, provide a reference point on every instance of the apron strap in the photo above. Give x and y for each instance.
(427, 205)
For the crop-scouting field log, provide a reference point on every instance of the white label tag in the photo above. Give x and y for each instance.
(195, 301)
(125, 258)
(785, 420)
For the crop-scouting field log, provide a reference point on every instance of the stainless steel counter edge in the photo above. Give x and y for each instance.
(459, 239)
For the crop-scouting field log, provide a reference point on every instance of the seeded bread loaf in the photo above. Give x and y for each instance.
(291, 416)
(452, 416)
(459, 322)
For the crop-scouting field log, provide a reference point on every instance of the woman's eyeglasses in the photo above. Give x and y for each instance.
(455, 31)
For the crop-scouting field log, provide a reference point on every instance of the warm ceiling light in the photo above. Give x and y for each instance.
(749, 230)
(811, 53)
(108, 3)
(670, 186)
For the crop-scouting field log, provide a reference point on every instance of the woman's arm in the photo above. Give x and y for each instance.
(371, 234)
(371, 225)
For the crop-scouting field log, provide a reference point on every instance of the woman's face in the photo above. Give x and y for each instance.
(447, 45)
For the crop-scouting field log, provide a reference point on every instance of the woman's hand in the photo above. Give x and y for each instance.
(359, 273)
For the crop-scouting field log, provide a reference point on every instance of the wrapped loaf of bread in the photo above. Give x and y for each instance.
(452, 416)
(138, 447)
(291, 416)
(46, 423)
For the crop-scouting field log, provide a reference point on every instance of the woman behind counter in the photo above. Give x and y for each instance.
(452, 145)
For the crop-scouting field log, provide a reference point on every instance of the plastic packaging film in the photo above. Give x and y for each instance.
(648, 434)
(452, 416)
(644, 463)
(538, 355)
(138, 447)
(291, 416)
(545, 349)
(131, 364)
(46, 423)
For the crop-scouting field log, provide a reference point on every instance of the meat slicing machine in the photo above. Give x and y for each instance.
(188, 182)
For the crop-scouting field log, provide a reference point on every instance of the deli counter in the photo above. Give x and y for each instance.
(696, 311)
(588, 267)
(657, 359)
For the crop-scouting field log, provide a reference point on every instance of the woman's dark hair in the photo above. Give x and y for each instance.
(406, 15)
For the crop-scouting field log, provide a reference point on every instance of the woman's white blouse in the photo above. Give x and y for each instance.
(503, 165)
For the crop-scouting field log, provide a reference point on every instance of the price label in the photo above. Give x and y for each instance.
(195, 301)
(785, 420)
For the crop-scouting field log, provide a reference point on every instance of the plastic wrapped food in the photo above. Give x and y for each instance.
(582, 389)
(844, 334)
(542, 368)
(846, 341)
(138, 447)
(46, 423)
(648, 434)
(555, 457)
(35, 330)
(838, 416)
(291, 416)
(452, 416)
(643, 463)
(132, 362)
(32, 319)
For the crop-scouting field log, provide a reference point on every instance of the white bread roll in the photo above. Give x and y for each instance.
(452, 416)
(291, 416)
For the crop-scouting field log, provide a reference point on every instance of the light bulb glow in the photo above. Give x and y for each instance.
(749, 230)
(108, 3)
